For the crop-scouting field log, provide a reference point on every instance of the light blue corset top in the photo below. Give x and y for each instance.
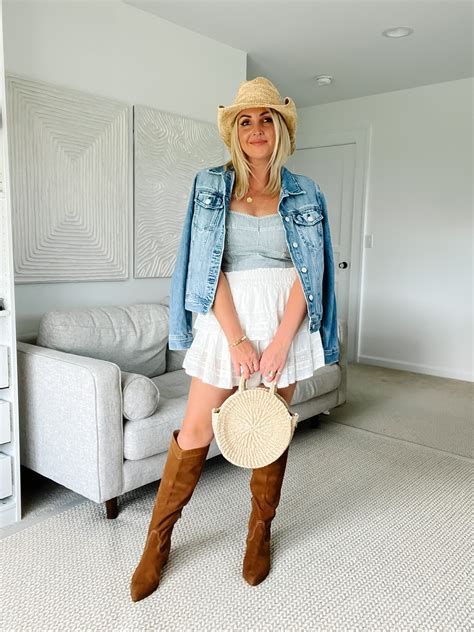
(254, 242)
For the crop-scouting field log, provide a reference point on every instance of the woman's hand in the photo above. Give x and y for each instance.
(245, 355)
(273, 359)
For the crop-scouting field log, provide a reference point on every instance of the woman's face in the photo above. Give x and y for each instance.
(256, 133)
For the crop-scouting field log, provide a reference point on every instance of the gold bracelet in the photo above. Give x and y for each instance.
(236, 342)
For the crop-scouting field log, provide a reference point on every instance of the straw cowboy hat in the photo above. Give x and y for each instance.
(259, 92)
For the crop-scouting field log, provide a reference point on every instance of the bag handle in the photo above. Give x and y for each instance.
(243, 386)
(272, 390)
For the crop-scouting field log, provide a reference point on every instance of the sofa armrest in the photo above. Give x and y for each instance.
(71, 420)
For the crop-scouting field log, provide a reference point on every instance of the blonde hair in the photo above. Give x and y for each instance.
(242, 167)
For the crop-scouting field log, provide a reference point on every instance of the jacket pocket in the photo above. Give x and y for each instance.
(308, 223)
(207, 205)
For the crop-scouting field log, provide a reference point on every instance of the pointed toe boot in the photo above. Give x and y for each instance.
(181, 473)
(265, 485)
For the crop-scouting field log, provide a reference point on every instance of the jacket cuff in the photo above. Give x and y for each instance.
(176, 343)
(331, 356)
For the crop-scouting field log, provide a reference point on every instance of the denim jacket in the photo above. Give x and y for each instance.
(303, 211)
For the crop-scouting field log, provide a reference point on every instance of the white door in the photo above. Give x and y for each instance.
(333, 169)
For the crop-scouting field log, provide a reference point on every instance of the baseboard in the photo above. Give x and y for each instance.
(417, 368)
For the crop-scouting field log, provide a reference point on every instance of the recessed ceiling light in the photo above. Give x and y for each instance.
(323, 80)
(398, 31)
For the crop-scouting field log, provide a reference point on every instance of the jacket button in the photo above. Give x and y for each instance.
(287, 219)
(208, 201)
(310, 297)
(295, 245)
(309, 217)
(304, 269)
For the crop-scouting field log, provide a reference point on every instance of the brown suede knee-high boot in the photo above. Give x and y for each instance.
(180, 475)
(265, 485)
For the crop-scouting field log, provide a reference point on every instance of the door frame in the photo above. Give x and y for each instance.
(362, 139)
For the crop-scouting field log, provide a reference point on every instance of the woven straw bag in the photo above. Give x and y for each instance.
(253, 427)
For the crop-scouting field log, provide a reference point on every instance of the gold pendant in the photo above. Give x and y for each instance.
(249, 199)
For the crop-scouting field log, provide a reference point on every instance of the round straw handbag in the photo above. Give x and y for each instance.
(253, 427)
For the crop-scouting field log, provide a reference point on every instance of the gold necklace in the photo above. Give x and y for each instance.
(249, 199)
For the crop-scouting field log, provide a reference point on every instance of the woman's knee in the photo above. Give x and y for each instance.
(197, 423)
(188, 439)
(287, 392)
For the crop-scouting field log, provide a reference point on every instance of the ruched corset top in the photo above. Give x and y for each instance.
(254, 242)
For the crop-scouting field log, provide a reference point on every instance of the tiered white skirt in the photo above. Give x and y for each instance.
(260, 296)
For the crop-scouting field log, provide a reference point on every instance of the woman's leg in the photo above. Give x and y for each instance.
(185, 461)
(265, 485)
(196, 428)
(287, 392)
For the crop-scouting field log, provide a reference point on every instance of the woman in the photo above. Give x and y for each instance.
(256, 247)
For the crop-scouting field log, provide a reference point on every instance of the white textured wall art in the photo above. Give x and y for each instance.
(70, 158)
(169, 149)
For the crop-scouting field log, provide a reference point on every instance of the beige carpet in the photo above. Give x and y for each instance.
(423, 409)
(372, 533)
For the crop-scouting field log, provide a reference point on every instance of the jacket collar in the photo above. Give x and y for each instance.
(289, 183)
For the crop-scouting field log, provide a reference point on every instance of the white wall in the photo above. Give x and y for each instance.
(114, 50)
(417, 311)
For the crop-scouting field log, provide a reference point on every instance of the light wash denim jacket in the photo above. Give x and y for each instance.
(303, 211)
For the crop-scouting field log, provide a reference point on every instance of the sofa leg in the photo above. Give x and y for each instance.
(315, 422)
(111, 508)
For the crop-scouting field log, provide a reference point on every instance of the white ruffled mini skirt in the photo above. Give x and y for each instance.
(260, 296)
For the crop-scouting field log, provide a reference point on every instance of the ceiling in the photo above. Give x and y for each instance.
(291, 42)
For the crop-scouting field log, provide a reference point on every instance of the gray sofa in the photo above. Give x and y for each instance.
(100, 393)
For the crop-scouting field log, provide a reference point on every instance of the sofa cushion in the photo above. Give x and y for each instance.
(134, 337)
(146, 437)
(324, 380)
(174, 359)
(140, 396)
